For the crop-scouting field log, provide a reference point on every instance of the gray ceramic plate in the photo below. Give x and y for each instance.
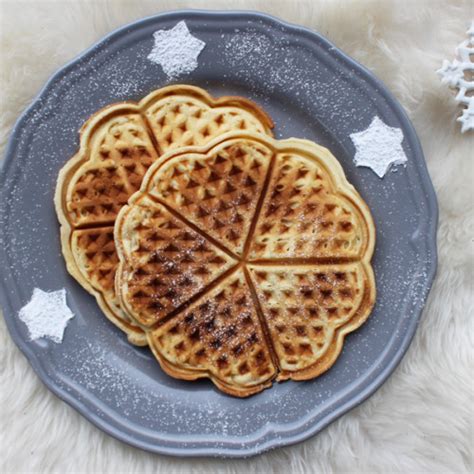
(312, 90)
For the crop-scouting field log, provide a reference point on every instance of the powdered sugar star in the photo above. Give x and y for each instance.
(47, 314)
(176, 50)
(379, 147)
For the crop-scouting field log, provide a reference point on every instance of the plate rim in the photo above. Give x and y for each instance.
(284, 438)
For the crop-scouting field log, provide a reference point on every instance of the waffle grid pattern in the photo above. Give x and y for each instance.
(208, 335)
(120, 158)
(181, 124)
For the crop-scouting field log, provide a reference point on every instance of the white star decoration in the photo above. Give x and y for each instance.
(467, 117)
(47, 314)
(451, 73)
(379, 147)
(460, 74)
(176, 50)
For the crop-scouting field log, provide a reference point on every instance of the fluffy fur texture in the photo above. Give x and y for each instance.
(422, 418)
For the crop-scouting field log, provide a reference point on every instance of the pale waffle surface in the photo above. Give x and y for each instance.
(118, 144)
(282, 268)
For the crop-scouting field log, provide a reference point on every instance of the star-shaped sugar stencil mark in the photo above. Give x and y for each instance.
(379, 147)
(176, 50)
(46, 315)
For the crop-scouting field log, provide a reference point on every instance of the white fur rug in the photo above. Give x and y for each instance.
(421, 420)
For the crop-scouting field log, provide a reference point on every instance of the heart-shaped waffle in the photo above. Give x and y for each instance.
(246, 260)
(117, 146)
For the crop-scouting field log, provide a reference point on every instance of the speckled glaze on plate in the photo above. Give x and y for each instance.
(312, 90)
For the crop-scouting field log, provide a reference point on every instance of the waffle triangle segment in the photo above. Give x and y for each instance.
(166, 263)
(308, 309)
(219, 336)
(96, 256)
(97, 260)
(304, 216)
(120, 153)
(184, 116)
(218, 191)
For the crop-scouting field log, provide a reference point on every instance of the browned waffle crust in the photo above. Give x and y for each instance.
(246, 260)
(118, 144)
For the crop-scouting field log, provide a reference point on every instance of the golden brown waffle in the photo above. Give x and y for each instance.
(117, 146)
(284, 243)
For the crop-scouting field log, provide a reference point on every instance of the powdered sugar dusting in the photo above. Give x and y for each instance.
(176, 50)
(47, 314)
(270, 65)
(379, 147)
